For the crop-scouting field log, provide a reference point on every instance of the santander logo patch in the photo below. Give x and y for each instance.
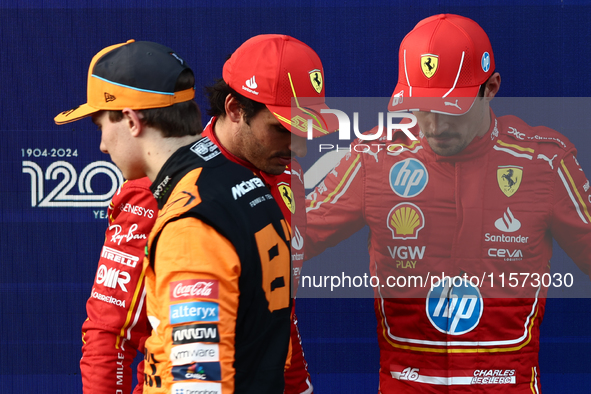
(194, 288)
(508, 223)
(252, 83)
(297, 241)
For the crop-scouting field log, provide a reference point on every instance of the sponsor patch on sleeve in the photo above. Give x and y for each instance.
(191, 333)
(199, 387)
(194, 353)
(194, 311)
(201, 371)
(194, 288)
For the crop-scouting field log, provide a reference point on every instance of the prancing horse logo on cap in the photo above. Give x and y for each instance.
(316, 79)
(429, 64)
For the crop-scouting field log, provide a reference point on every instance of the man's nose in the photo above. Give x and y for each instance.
(434, 124)
(103, 147)
(298, 145)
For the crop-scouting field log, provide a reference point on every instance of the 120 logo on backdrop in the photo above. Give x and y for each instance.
(74, 190)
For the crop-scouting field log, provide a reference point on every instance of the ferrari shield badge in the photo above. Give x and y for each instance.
(509, 179)
(316, 79)
(429, 64)
(287, 196)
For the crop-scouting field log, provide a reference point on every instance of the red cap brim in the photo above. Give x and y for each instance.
(456, 102)
(295, 118)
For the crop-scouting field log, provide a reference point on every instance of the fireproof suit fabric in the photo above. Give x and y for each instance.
(217, 279)
(491, 210)
(117, 325)
(288, 190)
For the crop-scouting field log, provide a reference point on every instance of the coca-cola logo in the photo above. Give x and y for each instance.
(198, 289)
(194, 288)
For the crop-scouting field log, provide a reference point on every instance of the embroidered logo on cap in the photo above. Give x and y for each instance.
(316, 79)
(485, 62)
(429, 64)
(450, 104)
(398, 98)
(68, 112)
(109, 97)
(251, 83)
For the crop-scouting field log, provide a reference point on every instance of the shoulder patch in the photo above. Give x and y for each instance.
(184, 196)
(517, 130)
(205, 149)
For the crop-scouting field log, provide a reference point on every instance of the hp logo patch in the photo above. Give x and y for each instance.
(408, 178)
(485, 62)
(454, 306)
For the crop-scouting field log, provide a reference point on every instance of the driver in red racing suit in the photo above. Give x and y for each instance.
(117, 324)
(475, 196)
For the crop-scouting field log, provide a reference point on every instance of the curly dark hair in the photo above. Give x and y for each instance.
(217, 94)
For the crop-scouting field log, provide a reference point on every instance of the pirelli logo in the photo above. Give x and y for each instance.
(119, 257)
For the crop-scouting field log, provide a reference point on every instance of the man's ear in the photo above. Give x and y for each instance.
(132, 120)
(233, 109)
(492, 86)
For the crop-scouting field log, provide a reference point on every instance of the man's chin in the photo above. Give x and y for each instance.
(444, 148)
(276, 165)
(275, 169)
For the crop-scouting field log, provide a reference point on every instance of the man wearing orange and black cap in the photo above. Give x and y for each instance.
(217, 264)
(473, 196)
(117, 325)
(272, 85)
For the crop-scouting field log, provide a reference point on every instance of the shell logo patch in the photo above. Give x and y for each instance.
(316, 79)
(509, 179)
(405, 221)
(287, 196)
(429, 64)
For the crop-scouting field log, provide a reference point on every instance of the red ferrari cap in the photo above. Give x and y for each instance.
(442, 63)
(284, 74)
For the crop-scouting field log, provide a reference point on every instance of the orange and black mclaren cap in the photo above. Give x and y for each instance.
(135, 75)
